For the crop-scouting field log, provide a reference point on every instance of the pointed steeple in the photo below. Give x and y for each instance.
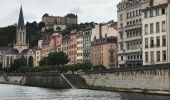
(21, 19)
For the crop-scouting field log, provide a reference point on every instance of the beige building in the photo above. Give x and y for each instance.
(156, 37)
(59, 21)
(80, 47)
(104, 46)
(130, 30)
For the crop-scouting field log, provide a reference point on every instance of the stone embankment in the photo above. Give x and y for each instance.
(143, 79)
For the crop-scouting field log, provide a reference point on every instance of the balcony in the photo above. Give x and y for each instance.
(133, 27)
(122, 62)
(133, 50)
(133, 38)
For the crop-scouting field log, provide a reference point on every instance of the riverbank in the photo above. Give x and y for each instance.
(148, 80)
(134, 90)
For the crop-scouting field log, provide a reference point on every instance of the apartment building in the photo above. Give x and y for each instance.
(130, 32)
(80, 47)
(156, 37)
(104, 46)
(87, 33)
(72, 51)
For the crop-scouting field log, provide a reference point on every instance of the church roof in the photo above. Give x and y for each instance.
(21, 19)
(13, 51)
(25, 51)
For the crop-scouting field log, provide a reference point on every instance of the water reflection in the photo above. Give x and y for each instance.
(13, 92)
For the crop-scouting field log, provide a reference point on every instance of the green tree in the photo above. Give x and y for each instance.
(18, 63)
(43, 62)
(55, 59)
(41, 25)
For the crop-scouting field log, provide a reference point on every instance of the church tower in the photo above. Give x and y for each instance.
(21, 41)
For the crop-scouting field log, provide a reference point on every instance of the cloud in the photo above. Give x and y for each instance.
(87, 10)
(76, 10)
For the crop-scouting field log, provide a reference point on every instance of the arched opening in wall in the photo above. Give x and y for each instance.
(7, 62)
(30, 61)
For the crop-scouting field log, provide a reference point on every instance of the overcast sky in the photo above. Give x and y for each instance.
(87, 10)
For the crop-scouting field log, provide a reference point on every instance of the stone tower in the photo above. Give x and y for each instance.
(21, 41)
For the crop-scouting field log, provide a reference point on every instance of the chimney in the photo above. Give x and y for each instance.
(100, 31)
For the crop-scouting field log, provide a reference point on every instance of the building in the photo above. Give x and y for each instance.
(57, 38)
(80, 47)
(21, 47)
(104, 46)
(72, 48)
(46, 45)
(130, 32)
(59, 22)
(156, 34)
(87, 33)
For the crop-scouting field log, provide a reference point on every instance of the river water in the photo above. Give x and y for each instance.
(14, 92)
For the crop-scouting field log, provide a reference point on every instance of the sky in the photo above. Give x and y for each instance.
(87, 10)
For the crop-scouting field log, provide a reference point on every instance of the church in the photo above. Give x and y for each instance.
(20, 47)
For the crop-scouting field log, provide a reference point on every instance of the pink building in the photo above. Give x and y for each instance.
(73, 48)
(58, 41)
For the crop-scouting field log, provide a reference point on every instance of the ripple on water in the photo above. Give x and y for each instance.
(14, 92)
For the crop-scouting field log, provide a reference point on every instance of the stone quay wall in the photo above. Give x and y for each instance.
(151, 78)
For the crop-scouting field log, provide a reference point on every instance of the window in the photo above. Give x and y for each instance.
(146, 14)
(152, 56)
(151, 28)
(157, 27)
(146, 56)
(158, 56)
(164, 55)
(152, 42)
(158, 41)
(146, 28)
(121, 57)
(157, 12)
(151, 13)
(127, 15)
(121, 35)
(136, 12)
(133, 13)
(163, 40)
(146, 42)
(163, 10)
(121, 17)
(163, 26)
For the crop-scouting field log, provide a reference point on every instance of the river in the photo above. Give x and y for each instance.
(14, 92)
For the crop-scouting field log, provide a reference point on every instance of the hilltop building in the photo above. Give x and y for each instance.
(59, 22)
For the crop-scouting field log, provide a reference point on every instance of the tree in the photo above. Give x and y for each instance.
(7, 35)
(41, 25)
(18, 63)
(43, 61)
(55, 59)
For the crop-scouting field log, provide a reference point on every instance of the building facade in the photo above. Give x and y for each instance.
(72, 51)
(104, 46)
(59, 21)
(87, 33)
(156, 35)
(21, 47)
(130, 32)
(80, 47)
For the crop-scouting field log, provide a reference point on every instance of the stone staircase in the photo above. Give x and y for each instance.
(75, 81)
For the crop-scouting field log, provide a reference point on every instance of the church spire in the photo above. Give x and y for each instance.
(21, 19)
